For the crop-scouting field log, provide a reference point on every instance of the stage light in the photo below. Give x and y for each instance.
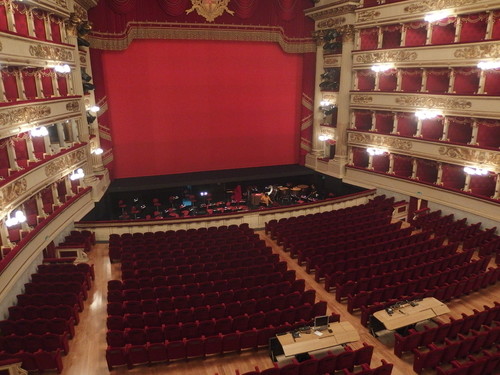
(77, 174)
(476, 171)
(39, 132)
(382, 67)
(203, 193)
(86, 77)
(486, 65)
(436, 16)
(97, 151)
(376, 151)
(425, 114)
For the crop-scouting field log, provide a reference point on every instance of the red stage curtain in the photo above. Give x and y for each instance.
(124, 6)
(3, 18)
(495, 33)
(366, 80)
(416, 34)
(443, 31)
(245, 8)
(38, 146)
(384, 122)
(438, 80)
(62, 84)
(368, 38)
(173, 7)
(411, 80)
(492, 82)
(453, 176)
(432, 128)
(460, 130)
(466, 81)
(28, 75)
(380, 163)
(362, 120)
(47, 88)
(427, 171)
(360, 157)
(488, 134)
(388, 80)
(39, 22)
(286, 9)
(483, 185)
(407, 124)
(391, 36)
(20, 18)
(10, 84)
(55, 27)
(473, 27)
(403, 165)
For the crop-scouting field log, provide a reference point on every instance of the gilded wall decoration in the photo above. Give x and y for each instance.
(368, 15)
(380, 140)
(331, 61)
(362, 99)
(24, 114)
(1, 46)
(429, 5)
(386, 56)
(491, 50)
(83, 60)
(331, 22)
(471, 155)
(50, 52)
(210, 9)
(62, 3)
(13, 191)
(65, 162)
(73, 106)
(416, 101)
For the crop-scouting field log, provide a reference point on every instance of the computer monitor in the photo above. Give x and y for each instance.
(321, 322)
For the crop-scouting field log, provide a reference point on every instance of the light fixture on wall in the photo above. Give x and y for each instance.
(486, 65)
(18, 218)
(425, 114)
(382, 67)
(376, 151)
(474, 171)
(77, 174)
(94, 108)
(39, 132)
(63, 68)
(97, 151)
(436, 16)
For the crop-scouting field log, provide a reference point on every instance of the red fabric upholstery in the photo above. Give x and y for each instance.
(495, 32)
(407, 124)
(10, 84)
(482, 185)
(432, 128)
(443, 32)
(391, 36)
(20, 19)
(29, 83)
(47, 88)
(63, 84)
(38, 146)
(488, 134)
(460, 130)
(388, 80)
(411, 80)
(39, 22)
(427, 171)
(3, 18)
(466, 81)
(21, 147)
(366, 80)
(381, 163)
(384, 122)
(359, 157)
(453, 176)
(55, 28)
(368, 38)
(363, 120)
(416, 34)
(402, 165)
(473, 27)
(492, 82)
(4, 156)
(438, 80)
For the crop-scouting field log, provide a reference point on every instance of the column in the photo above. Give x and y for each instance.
(451, 84)
(377, 81)
(12, 155)
(467, 183)
(20, 85)
(446, 127)
(482, 80)
(351, 157)
(3, 98)
(399, 78)
(403, 34)
(48, 29)
(11, 24)
(353, 121)
(380, 37)
(48, 146)
(74, 131)
(497, 187)
(55, 195)
(60, 134)
(4, 236)
(30, 23)
(428, 39)
(458, 29)
(395, 127)
(423, 87)
(39, 206)
(317, 146)
(475, 129)
(391, 164)
(38, 85)
(489, 25)
(419, 128)
(439, 174)
(414, 169)
(374, 122)
(370, 161)
(55, 84)
(30, 149)
(69, 190)
(355, 79)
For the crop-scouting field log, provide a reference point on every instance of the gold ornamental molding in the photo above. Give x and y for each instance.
(62, 3)
(490, 50)
(386, 56)
(23, 115)
(64, 162)
(1, 46)
(73, 106)
(50, 52)
(331, 60)
(362, 99)
(470, 155)
(380, 140)
(210, 9)
(12, 191)
(415, 101)
(331, 23)
(429, 5)
(368, 15)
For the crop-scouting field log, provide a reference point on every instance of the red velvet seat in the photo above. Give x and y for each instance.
(136, 355)
(49, 360)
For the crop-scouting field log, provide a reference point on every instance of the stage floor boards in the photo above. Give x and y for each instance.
(87, 349)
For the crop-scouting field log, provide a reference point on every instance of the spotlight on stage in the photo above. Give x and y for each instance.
(203, 193)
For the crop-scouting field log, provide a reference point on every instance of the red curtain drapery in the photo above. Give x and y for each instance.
(460, 130)
(384, 122)
(466, 81)
(407, 124)
(39, 23)
(245, 8)
(366, 80)
(368, 38)
(174, 7)
(380, 163)
(443, 32)
(10, 84)
(391, 36)
(20, 18)
(62, 84)
(427, 171)
(432, 128)
(4, 156)
(473, 27)
(363, 120)
(411, 80)
(438, 80)
(360, 157)
(492, 81)
(388, 80)
(483, 185)
(47, 88)
(21, 148)
(121, 6)
(3, 17)
(38, 146)
(306, 117)
(488, 134)
(29, 82)
(416, 34)
(403, 165)
(286, 9)
(453, 176)
(55, 27)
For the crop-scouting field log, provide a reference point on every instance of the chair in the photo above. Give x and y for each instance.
(345, 359)
(136, 355)
(213, 345)
(249, 339)
(176, 350)
(195, 348)
(157, 352)
(49, 360)
(230, 342)
(363, 355)
(290, 369)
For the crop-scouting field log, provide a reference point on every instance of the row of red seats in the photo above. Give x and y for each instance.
(454, 350)
(480, 237)
(38, 326)
(469, 231)
(81, 278)
(47, 341)
(45, 312)
(402, 275)
(448, 330)
(488, 363)
(451, 229)
(207, 317)
(57, 287)
(406, 245)
(423, 218)
(232, 306)
(414, 286)
(84, 239)
(40, 361)
(490, 247)
(305, 248)
(68, 268)
(70, 299)
(356, 247)
(394, 261)
(444, 293)
(437, 222)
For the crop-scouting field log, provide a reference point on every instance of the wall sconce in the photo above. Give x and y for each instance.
(77, 174)
(65, 68)
(39, 132)
(436, 16)
(486, 65)
(97, 151)
(376, 151)
(476, 171)
(382, 67)
(425, 114)
(18, 218)
(94, 108)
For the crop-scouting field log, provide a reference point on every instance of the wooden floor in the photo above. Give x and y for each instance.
(87, 349)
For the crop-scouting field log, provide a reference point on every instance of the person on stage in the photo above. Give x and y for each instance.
(265, 200)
